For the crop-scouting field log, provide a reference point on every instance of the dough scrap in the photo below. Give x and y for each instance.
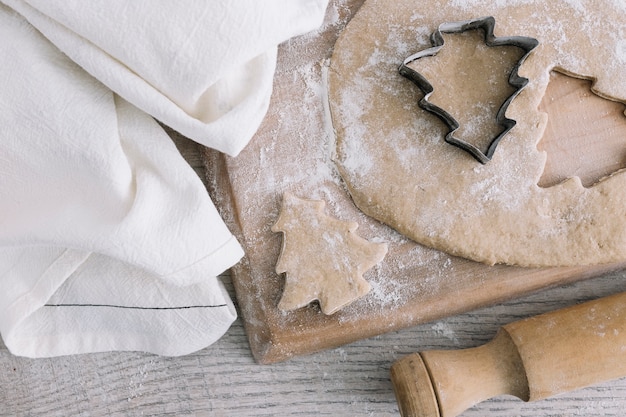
(399, 170)
(323, 258)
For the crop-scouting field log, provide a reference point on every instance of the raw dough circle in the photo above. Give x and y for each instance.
(398, 169)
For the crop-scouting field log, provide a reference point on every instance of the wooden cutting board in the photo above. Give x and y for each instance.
(292, 151)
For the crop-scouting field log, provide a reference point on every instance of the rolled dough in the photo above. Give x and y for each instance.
(400, 171)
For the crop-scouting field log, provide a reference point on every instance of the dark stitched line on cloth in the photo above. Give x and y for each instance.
(134, 307)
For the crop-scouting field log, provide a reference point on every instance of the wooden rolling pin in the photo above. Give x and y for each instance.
(531, 359)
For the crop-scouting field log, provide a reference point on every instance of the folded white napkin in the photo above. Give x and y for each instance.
(205, 68)
(108, 239)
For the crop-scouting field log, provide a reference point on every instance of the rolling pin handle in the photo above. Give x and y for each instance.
(463, 378)
(532, 359)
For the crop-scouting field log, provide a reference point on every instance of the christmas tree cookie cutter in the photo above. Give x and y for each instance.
(487, 24)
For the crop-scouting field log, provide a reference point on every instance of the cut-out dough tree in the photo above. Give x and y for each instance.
(586, 133)
(322, 257)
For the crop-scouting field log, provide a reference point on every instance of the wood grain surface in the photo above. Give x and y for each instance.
(224, 379)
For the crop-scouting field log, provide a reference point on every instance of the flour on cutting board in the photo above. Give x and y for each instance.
(297, 153)
(296, 150)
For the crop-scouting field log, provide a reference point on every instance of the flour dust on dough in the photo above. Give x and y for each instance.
(399, 170)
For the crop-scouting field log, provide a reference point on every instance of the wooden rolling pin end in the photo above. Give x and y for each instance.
(444, 383)
(531, 359)
(413, 388)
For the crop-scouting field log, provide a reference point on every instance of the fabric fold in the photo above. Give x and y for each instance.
(130, 310)
(204, 68)
(108, 238)
(86, 175)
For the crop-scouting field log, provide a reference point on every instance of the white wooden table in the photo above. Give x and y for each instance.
(224, 380)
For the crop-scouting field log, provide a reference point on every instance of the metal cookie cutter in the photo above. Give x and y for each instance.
(487, 24)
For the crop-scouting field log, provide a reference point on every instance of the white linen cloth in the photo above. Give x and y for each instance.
(108, 239)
